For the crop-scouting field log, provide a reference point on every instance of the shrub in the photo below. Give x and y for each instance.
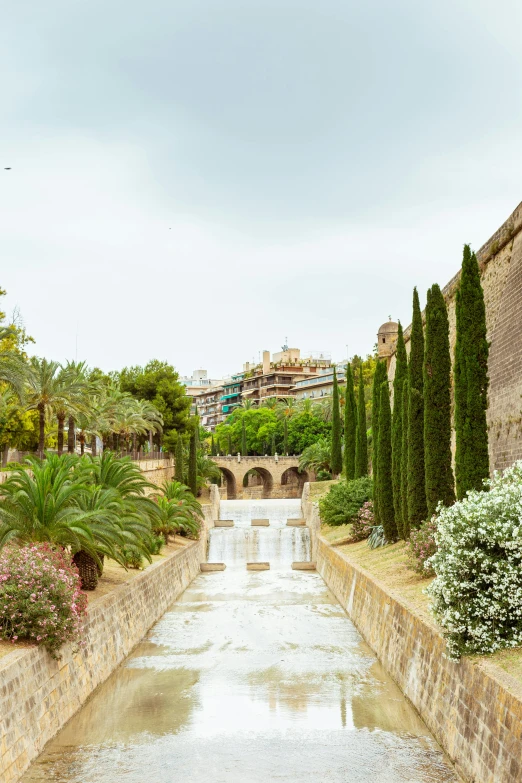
(422, 546)
(377, 537)
(40, 597)
(365, 520)
(342, 503)
(477, 593)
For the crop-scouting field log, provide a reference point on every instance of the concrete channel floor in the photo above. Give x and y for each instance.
(250, 676)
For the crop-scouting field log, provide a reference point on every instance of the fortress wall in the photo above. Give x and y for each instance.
(500, 261)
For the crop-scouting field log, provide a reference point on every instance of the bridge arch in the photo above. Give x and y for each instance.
(292, 476)
(229, 482)
(266, 477)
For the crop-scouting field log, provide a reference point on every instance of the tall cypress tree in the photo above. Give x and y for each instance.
(361, 448)
(336, 454)
(350, 426)
(471, 380)
(385, 481)
(379, 377)
(192, 465)
(417, 510)
(178, 465)
(405, 525)
(285, 437)
(212, 447)
(243, 439)
(401, 369)
(437, 404)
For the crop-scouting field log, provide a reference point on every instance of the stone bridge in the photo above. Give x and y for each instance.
(261, 477)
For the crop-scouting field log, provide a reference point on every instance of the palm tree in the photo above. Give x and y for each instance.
(287, 407)
(181, 495)
(46, 392)
(173, 518)
(206, 470)
(76, 391)
(316, 457)
(43, 505)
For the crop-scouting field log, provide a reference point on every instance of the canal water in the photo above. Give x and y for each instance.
(249, 677)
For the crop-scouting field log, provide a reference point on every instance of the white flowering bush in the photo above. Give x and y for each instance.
(477, 592)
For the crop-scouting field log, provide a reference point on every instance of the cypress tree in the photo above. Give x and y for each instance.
(350, 426)
(379, 377)
(178, 465)
(385, 481)
(401, 369)
(212, 447)
(471, 380)
(417, 511)
(405, 525)
(336, 454)
(437, 404)
(192, 465)
(361, 448)
(243, 439)
(285, 437)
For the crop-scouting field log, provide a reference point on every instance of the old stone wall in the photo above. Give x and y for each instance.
(157, 470)
(500, 261)
(38, 695)
(473, 708)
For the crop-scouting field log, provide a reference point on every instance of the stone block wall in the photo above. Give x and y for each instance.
(473, 708)
(157, 470)
(500, 261)
(38, 695)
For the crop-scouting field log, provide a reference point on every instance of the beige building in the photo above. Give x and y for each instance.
(276, 377)
(320, 386)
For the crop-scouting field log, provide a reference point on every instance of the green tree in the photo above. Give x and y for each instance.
(437, 404)
(417, 510)
(361, 446)
(379, 377)
(385, 480)
(405, 525)
(285, 437)
(45, 392)
(350, 426)
(178, 468)
(304, 429)
(401, 370)
(337, 456)
(192, 465)
(471, 380)
(229, 443)
(212, 447)
(158, 382)
(244, 450)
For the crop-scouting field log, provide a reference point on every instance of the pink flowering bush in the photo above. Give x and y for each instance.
(40, 596)
(421, 546)
(363, 523)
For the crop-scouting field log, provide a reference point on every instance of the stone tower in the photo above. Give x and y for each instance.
(386, 339)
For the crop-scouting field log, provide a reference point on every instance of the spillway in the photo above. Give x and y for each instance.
(249, 677)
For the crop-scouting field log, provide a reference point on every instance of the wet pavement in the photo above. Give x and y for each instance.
(250, 676)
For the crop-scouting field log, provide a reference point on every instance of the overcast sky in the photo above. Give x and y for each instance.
(197, 181)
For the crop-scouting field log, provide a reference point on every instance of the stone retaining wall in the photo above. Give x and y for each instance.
(38, 695)
(473, 708)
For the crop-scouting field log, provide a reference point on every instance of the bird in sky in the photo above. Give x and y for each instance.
(7, 168)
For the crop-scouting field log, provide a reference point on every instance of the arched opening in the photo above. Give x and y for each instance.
(294, 481)
(229, 483)
(257, 476)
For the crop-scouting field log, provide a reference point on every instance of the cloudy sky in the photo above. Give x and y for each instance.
(197, 181)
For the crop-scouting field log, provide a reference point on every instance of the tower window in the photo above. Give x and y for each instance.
(384, 339)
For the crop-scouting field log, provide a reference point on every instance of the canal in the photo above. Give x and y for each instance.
(250, 676)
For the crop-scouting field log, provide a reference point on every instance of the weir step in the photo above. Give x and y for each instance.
(208, 567)
(295, 523)
(258, 566)
(224, 523)
(298, 565)
(260, 523)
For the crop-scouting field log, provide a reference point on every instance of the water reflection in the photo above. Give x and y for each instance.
(249, 677)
